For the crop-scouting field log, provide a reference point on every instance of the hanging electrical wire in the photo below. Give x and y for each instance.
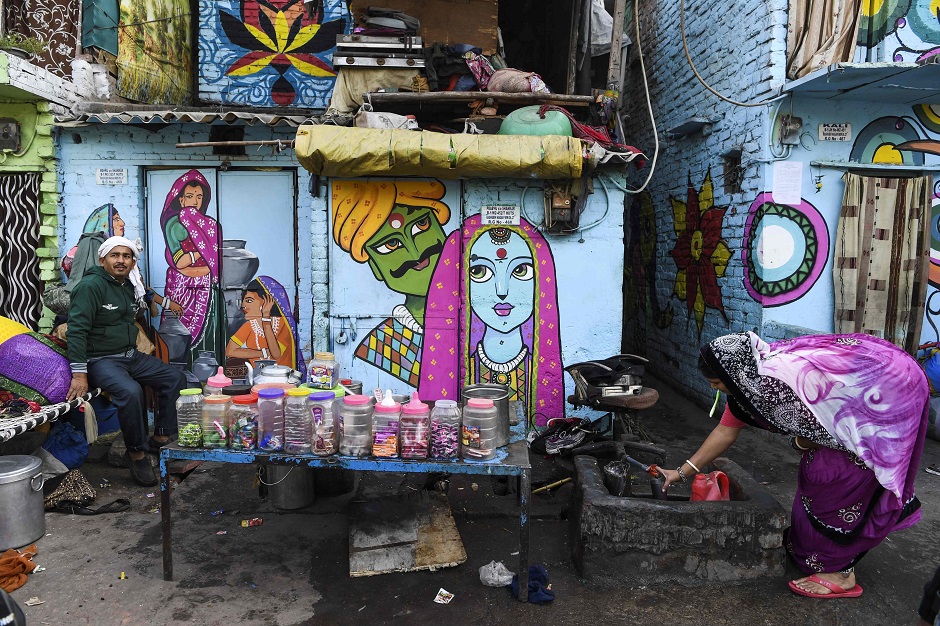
(688, 57)
(649, 103)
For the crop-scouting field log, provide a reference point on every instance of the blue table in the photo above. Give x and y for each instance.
(511, 460)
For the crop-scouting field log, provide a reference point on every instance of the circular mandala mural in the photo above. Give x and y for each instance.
(923, 20)
(876, 143)
(785, 250)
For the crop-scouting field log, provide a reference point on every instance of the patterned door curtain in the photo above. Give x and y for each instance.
(881, 258)
(20, 287)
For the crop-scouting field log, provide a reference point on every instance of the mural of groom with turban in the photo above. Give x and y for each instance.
(397, 228)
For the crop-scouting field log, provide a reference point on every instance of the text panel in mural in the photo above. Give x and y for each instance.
(500, 214)
(835, 132)
(111, 176)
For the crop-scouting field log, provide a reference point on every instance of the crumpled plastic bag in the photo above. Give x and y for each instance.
(495, 574)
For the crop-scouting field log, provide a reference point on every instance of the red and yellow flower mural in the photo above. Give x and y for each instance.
(700, 253)
(278, 34)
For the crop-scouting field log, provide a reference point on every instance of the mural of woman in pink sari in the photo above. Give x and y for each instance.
(193, 256)
(508, 325)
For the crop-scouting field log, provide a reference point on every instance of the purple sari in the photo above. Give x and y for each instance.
(193, 293)
(866, 402)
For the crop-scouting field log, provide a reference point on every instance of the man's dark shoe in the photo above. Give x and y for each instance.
(155, 445)
(141, 471)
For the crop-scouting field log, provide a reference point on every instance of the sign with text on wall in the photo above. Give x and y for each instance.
(111, 176)
(507, 214)
(835, 132)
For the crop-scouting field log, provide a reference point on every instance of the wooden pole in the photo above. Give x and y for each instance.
(616, 43)
(265, 142)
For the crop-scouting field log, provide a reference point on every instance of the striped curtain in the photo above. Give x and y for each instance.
(20, 287)
(881, 258)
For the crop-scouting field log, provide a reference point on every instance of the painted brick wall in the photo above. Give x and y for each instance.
(739, 49)
(91, 147)
(241, 60)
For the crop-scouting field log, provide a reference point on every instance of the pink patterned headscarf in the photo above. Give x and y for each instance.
(450, 325)
(204, 231)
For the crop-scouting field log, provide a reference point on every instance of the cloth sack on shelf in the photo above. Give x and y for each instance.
(511, 80)
(367, 118)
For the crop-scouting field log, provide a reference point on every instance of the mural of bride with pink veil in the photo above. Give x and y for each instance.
(497, 282)
(193, 256)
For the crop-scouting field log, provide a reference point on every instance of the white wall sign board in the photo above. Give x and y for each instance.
(500, 214)
(111, 176)
(788, 182)
(835, 132)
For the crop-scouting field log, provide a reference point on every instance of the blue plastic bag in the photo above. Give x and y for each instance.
(67, 444)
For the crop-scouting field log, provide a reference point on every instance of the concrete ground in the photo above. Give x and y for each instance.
(293, 569)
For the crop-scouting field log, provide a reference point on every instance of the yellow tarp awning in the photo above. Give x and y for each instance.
(337, 151)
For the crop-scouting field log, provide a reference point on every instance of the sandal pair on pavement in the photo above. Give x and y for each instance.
(835, 591)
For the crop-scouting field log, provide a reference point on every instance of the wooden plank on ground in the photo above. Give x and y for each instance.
(404, 534)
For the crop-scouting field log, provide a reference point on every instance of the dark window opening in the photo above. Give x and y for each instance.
(734, 173)
(227, 133)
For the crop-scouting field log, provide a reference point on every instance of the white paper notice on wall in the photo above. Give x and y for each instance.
(788, 182)
(111, 176)
(508, 214)
(835, 132)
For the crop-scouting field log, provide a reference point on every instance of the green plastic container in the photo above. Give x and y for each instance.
(526, 121)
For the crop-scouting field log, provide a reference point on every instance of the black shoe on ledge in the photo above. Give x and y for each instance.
(141, 471)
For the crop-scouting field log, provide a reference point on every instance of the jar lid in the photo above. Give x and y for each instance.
(217, 399)
(270, 393)
(356, 400)
(322, 395)
(394, 407)
(414, 406)
(323, 356)
(190, 392)
(480, 403)
(219, 380)
(17, 467)
(345, 381)
(299, 392)
(446, 404)
(249, 398)
(236, 390)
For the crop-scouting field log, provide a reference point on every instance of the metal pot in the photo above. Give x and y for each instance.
(175, 335)
(22, 519)
(499, 394)
(238, 265)
(268, 371)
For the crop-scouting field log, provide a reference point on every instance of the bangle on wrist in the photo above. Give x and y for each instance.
(796, 443)
(266, 319)
(682, 475)
(692, 465)
(192, 257)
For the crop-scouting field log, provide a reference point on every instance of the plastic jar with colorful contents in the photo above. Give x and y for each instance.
(271, 419)
(324, 413)
(243, 422)
(355, 414)
(215, 418)
(189, 417)
(478, 429)
(445, 430)
(386, 423)
(323, 371)
(297, 421)
(415, 429)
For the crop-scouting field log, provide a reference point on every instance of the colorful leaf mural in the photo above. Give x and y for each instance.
(700, 253)
(268, 52)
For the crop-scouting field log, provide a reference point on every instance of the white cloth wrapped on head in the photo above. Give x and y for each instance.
(136, 247)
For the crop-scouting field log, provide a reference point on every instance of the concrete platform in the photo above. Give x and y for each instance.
(639, 540)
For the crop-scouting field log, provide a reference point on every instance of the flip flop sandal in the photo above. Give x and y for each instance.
(835, 590)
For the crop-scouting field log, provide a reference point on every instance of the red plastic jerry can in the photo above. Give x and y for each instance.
(711, 486)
